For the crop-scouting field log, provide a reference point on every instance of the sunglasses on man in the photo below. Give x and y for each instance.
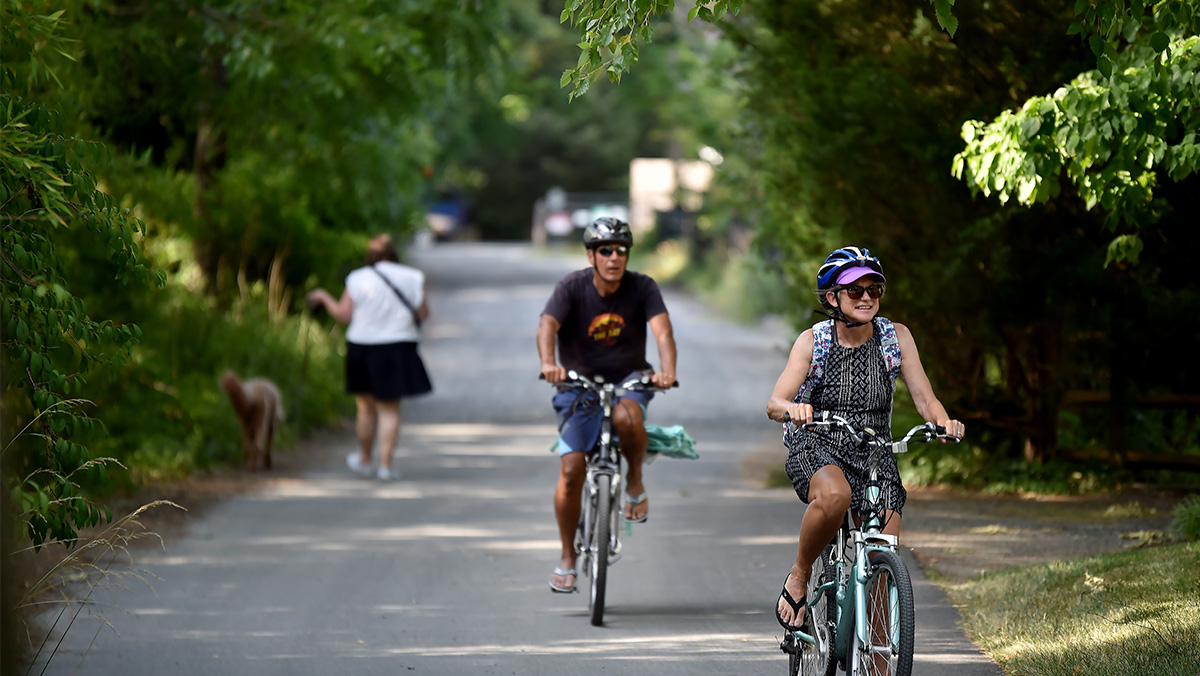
(607, 251)
(856, 292)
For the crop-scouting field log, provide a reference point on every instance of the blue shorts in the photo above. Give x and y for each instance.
(579, 418)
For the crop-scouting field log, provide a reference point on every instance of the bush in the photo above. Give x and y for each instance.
(1187, 518)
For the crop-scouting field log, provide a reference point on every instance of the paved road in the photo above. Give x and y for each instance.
(444, 571)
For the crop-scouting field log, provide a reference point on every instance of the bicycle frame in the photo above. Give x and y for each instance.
(605, 461)
(597, 539)
(850, 558)
(865, 540)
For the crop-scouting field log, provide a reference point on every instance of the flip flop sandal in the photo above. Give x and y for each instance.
(797, 608)
(633, 501)
(564, 572)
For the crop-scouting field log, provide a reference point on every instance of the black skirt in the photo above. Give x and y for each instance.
(387, 372)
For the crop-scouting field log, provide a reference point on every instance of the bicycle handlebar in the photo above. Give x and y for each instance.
(575, 379)
(924, 432)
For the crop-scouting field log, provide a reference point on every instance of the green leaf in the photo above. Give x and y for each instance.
(1124, 248)
(1159, 41)
(1029, 127)
(945, 18)
(1074, 28)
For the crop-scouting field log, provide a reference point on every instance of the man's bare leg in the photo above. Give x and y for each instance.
(631, 428)
(567, 495)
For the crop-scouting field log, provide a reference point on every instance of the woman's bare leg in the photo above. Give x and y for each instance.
(389, 430)
(364, 425)
(828, 500)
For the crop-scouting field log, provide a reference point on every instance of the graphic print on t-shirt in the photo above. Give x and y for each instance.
(606, 328)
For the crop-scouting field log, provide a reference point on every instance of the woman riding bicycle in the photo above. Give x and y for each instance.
(847, 365)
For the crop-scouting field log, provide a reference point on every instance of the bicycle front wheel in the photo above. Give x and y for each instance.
(599, 546)
(889, 621)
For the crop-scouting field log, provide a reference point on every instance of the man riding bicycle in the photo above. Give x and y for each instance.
(599, 317)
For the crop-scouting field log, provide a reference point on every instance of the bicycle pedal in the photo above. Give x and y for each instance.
(788, 644)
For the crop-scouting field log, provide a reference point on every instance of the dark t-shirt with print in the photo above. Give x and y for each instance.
(604, 335)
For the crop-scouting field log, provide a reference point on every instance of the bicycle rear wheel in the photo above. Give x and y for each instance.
(600, 546)
(817, 659)
(889, 621)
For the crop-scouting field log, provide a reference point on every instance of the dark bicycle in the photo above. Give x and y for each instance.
(597, 540)
(863, 614)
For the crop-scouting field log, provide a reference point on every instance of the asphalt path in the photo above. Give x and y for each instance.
(445, 570)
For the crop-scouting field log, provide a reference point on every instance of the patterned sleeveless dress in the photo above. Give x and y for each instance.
(857, 387)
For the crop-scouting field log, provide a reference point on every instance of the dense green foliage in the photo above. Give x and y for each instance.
(1115, 132)
(291, 122)
(611, 34)
(171, 172)
(219, 173)
(51, 345)
(246, 157)
(853, 112)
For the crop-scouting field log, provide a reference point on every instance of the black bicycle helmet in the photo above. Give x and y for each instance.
(607, 230)
(839, 261)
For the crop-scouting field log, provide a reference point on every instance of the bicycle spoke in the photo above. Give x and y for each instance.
(889, 620)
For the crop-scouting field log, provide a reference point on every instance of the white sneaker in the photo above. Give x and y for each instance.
(387, 474)
(355, 463)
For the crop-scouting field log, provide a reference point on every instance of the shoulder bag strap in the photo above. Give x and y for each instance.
(415, 315)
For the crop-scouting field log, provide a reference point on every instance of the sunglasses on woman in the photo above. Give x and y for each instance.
(875, 291)
(607, 251)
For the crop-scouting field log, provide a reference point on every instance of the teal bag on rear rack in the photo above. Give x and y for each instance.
(672, 442)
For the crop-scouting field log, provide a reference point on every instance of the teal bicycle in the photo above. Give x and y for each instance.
(861, 613)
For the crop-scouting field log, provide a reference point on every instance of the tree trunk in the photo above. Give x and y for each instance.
(1046, 392)
(209, 160)
(1118, 384)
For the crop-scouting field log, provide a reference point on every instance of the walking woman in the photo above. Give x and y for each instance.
(848, 365)
(384, 305)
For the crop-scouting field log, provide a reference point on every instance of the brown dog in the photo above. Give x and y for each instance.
(259, 406)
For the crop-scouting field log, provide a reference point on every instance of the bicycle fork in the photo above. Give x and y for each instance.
(587, 547)
(852, 591)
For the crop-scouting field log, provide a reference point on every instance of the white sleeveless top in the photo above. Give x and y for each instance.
(379, 316)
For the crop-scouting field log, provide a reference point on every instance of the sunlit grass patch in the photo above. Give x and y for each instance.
(993, 529)
(1124, 614)
(1129, 510)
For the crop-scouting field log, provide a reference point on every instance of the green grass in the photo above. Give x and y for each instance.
(1127, 614)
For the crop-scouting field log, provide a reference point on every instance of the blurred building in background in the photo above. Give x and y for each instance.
(663, 195)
